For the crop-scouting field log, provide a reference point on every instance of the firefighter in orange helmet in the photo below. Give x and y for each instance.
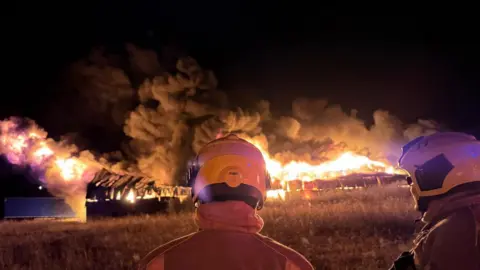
(444, 175)
(229, 183)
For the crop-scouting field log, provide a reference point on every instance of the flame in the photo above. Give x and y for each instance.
(131, 196)
(59, 166)
(276, 194)
(150, 195)
(54, 164)
(70, 168)
(31, 148)
(347, 163)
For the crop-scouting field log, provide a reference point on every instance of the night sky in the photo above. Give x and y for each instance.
(415, 65)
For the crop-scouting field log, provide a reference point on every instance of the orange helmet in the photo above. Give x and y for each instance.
(228, 169)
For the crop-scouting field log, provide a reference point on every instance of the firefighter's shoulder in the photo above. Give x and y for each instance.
(457, 226)
(452, 242)
(156, 256)
(297, 260)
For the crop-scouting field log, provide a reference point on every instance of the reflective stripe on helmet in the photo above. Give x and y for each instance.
(231, 162)
(409, 145)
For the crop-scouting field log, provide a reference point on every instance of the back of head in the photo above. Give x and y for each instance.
(229, 169)
(441, 164)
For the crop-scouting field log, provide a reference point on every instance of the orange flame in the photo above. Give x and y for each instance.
(347, 163)
(31, 147)
(56, 166)
(131, 196)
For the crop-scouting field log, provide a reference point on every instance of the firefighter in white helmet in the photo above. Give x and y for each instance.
(444, 173)
(229, 182)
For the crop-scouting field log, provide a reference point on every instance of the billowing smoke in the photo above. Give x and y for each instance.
(103, 87)
(161, 130)
(181, 109)
(317, 131)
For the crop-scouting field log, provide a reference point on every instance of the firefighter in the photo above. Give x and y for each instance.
(444, 176)
(229, 181)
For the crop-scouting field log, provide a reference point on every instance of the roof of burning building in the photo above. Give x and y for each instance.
(106, 182)
(105, 178)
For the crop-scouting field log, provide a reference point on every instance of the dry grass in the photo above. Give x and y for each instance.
(340, 230)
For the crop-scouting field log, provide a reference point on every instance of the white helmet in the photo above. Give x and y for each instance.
(440, 164)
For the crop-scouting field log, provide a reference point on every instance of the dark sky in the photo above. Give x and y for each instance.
(414, 65)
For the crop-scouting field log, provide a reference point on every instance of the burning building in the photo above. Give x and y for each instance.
(110, 194)
(75, 175)
(313, 146)
(349, 171)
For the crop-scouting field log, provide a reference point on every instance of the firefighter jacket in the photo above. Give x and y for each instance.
(450, 237)
(228, 239)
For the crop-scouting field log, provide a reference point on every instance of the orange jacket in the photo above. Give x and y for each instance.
(450, 238)
(228, 239)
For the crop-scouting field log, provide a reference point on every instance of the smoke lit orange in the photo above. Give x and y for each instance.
(58, 168)
(31, 147)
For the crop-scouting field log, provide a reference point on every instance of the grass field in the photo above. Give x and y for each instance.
(363, 229)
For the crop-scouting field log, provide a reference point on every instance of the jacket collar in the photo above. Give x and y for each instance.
(229, 215)
(447, 205)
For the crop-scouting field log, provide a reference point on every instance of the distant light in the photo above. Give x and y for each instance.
(40, 187)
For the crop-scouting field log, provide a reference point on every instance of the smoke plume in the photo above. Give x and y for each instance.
(183, 110)
(179, 110)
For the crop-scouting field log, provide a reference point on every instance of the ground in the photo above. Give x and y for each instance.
(362, 229)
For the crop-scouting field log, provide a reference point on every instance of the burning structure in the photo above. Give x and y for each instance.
(107, 186)
(75, 175)
(315, 145)
(347, 171)
(110, 194)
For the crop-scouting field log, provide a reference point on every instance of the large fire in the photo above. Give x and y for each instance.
(31, 147)
(347, 163)
(62, 169)
(58, 167)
